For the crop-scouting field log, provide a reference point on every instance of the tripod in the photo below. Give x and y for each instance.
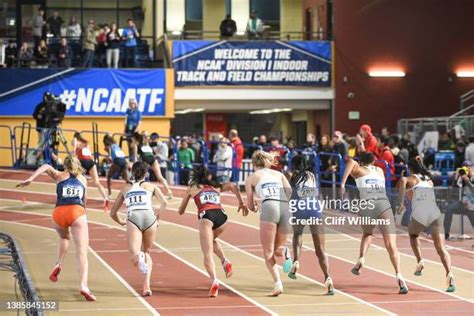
(52, 137)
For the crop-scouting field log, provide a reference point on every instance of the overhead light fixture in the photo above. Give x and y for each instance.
(465, 74)
(387, 73)
(269, 111)
(186, 111)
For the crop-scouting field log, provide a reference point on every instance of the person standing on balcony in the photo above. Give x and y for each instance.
(130, 35)
(254, 28)
(38, 23)
(55, 22)
(112, 53)
(88, 45)
(228, 27)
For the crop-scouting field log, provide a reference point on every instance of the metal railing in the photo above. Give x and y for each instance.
(468, 98)
(268, 35)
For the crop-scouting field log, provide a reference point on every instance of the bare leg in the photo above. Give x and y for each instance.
(438, 240)
(216, 245)
(297, 241)
(113, 169)
(95, 179)
(206, 237)
(63, 245)
(318, 241)
(156, 169)
(80, 233)
(390, 239)
(148, 240)
(268, 234)
(414, 229)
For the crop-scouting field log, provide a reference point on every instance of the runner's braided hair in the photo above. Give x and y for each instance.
(417, 166)
(301, 170)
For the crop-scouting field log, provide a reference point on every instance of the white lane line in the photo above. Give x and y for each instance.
(124, 283)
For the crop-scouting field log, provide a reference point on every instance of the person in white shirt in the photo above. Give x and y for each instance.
(223, 159)
(254, 28)
(469, 152)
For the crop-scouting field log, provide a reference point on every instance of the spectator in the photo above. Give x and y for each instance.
(88, 45)
(228, 27)
(161, 152)
(325, 147)
(459, 154)
(254, 26)
(64, 54)
(386, 154)
(339, 147)
(73, 29)
(407, 148)
(38, 23)
(366, 141)
(25, 55)
(238, 146)
(280, 153)
(469, 153)
(464, 180)
(130, 35)
(113, 47)
(101, 40)
(42, 54)
(223, 160)
(351, 148)
(11, 51)
(185, 160)
(445, 142)
(311, 143)
(384, 132)
(55, 22)
(133, 118)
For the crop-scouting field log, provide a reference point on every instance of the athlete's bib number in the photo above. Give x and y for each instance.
(210, 198)
(86, 152)
(135, 200)
(72, 192)
(375, 186)
(271, 190)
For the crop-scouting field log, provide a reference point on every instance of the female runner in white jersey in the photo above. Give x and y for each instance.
(425, 214)
(274, 191)
(141, 219)
(370, 181)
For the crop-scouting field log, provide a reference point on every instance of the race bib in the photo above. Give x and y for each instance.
(147, 149)
(271, 190)
(72, 192)
(86, 151)
(135, 199)
(119, 153)
(210, 198)
(374, 186)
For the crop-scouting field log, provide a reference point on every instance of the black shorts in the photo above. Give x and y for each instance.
(217, 216)
(87, 164)
(150, 160)
(121, 163)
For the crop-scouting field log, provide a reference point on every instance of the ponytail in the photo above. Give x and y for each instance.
(200, 176)
(301, 169)
(79, 137)
(417, 166)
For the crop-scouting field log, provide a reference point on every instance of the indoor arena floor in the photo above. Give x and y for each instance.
(180, 283)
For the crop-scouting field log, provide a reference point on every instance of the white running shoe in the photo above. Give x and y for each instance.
(329, 286)
(419, 268)
(277, 290)
(142, 263)
(402, 286)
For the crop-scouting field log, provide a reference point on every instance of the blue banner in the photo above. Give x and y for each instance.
(86, 92)
(256, 63)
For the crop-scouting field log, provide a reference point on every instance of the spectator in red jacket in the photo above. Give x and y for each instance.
(366, 141)
(386, 154)
(238, 146)
(280, 153)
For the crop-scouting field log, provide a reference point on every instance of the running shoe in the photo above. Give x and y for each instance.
(142, 263)
(277, 290)
(402, 286)
(294, 268)
(54, 275)
(227, 266)
(214, 291)
(360, 263)
(88, 295)
(287, 263)
(147, 293)
(450, 281)
(419, 268)
(106, 206)
(329, 285)
(169, 195)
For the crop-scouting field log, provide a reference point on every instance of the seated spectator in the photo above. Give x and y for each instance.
(160, 149)
(25, 56)
(88, 45)
(11, 51)
(55, 23)
(254, 26)
(42, 54)
(130, 35)
(223, 160)
(228, 27)
(112, 54)
(185, 161)
(64, 54)
(464, 180)
(101, 40)
(73, 29)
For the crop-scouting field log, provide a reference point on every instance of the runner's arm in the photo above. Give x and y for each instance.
(184, 202)
(50, 171)
(231, 186)
(113, 212)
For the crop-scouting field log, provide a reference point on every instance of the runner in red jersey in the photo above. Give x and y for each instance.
(212, 218)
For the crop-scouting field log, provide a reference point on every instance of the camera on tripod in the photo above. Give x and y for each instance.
(54, 110)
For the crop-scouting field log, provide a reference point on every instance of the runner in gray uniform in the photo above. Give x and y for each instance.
(141, 219)
(370, 181)
(425, 214)
(273, 190)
